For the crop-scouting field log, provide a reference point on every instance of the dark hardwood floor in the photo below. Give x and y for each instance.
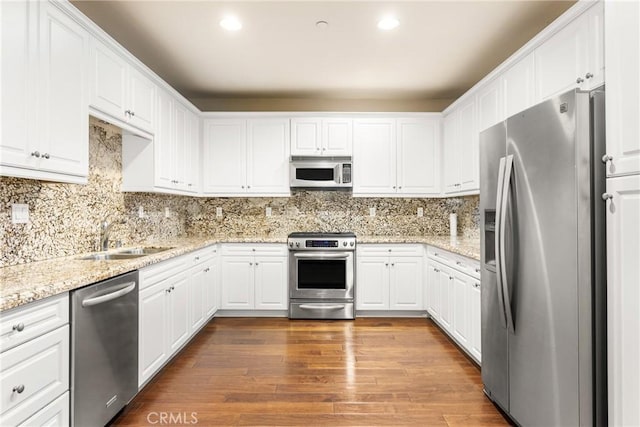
(371, 371)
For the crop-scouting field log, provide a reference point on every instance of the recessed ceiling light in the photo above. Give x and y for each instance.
(388, 23)
(231, 23)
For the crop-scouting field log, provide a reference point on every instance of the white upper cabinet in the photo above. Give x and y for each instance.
(119, 90)
(518, 87)
(622, 49)
(461, 169)
(44, 93)
(246, 157)
(490, 105)
(312, 136)
(396, 157)
(573, 57)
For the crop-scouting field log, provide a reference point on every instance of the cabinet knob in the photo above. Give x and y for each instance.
(400, 187)
(607, 196)
(173, 287)
(607, 158)
(18, 389)
(197, 258)
(19, 327)
(393, 264)
(317, 148)
(436, 270)
(588, 75)
(386, 264)
(476, 285)
(394, 187)
(133, 113)
(46, 156)
(248, 186)
(458, 263)
(36, 154)
(256, 264)
(579, 80)
(477, 270)
(242, 187)
(168, 290)
(250, 263)
(206, 270)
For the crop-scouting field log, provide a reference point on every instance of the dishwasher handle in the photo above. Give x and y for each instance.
(122, 290)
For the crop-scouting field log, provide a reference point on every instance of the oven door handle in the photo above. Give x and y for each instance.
(323, 255)
(321, 306)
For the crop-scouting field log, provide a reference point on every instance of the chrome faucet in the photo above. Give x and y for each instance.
(105, 231)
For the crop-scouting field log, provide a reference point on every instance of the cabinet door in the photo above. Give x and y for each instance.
(17, 34)
(490, 105)
(445, 277)
(622, 42)
(64, 116)
(372, 283)
(224, 164)
(108, 80)
(152, 330)
(433, 290)
(193, 153)
(405, 284)
(518, 86)
(306, 134)
(475, 321)
(55, 414)
(163, 142)
(237, 283)
(271, 283)
(451, 152)
(198, 296)
(594, 71)
(181, 149)
(461, 290)
(418, 170)
(561, 60)
(268, 156)
(211, 287)
(142, 100)
(374, 156)
(467, 150)
(179, 312)
(623, 299)
(337, 137)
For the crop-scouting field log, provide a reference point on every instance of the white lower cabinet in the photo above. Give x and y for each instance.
(177, 297)
(623, 299)
(389, 277)
(253, 277)
(453, 298)
(34, 363)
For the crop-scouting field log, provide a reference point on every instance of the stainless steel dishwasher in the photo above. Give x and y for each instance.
(104, 349)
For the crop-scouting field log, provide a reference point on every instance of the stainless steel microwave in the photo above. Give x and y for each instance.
(321, 172)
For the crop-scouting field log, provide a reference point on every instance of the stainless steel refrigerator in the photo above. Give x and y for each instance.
(543, 262)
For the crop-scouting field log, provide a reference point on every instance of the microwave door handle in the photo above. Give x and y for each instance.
(339, 173)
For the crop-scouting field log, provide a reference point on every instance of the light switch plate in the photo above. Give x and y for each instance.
(267, 211)
(420, 212)
(140, 212)
(167, 212)
(372, 211)
(19, 213)
(219, 212)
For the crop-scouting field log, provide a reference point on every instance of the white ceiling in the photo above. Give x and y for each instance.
(440, 49)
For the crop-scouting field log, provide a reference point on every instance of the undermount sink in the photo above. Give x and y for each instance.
(143, 251)
(106, 257)
(125, 254)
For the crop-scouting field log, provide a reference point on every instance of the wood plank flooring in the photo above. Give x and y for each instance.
(367, 372)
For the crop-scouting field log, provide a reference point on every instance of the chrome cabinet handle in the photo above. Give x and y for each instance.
(607, 196)
(579, 80)
(606, 158)
(19, 327)
(18, 389)
(35, 154)
(588, 76)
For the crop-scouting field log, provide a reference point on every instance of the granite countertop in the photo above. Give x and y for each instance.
(25, 283)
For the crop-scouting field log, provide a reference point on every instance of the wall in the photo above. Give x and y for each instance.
(65, 218)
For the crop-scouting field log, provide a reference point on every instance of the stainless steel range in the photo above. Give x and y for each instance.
(321, 275)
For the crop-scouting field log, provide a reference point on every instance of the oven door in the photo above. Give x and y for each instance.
(321, 275)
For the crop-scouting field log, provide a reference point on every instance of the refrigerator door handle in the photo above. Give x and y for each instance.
(502, 261)
(499, 194)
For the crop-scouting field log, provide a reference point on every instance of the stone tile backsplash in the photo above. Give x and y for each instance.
(65, 218)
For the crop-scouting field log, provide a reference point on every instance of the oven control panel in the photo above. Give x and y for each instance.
(333, 243)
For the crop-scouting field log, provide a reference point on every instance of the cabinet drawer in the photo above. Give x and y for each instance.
(40, 368)
(394, 250)
(157, 272)
(455, 261)
(261, 249)
(21, 324)
(202, 255)
(55, 414)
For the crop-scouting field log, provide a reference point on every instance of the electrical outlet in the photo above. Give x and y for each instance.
(267, 211)
(420, 212)
(140, 212)
(219, 212)
(167, 212)
(19, 213)
(372, 211)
